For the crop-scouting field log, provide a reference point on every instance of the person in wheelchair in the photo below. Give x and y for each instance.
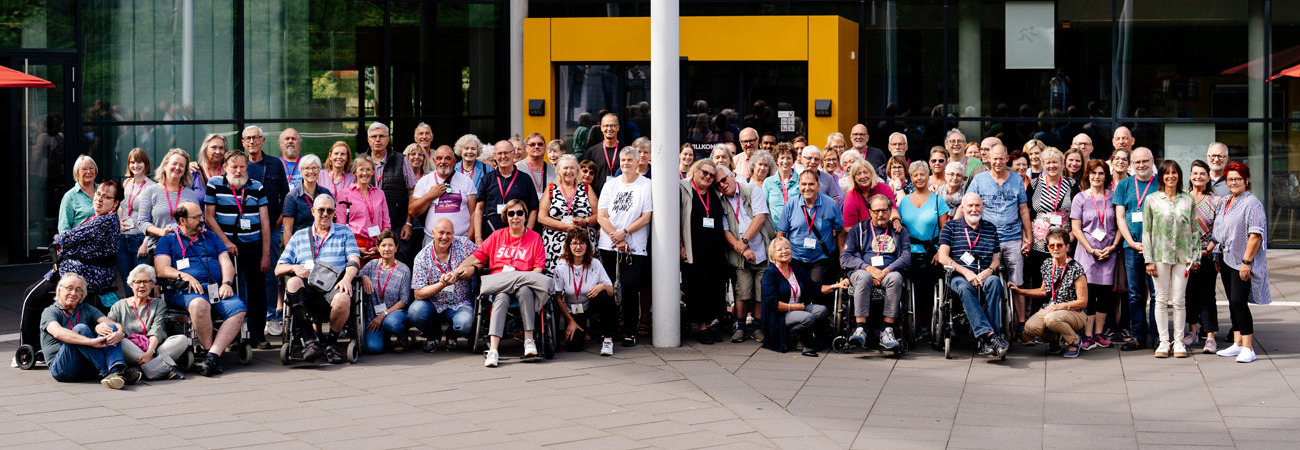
(874, 254)
(199, 258)
(1066, 288)
(326, 251)
(586, 294)
(451, 302)
(785, 307)
(969, 246)
(90, 247)
(514, 258)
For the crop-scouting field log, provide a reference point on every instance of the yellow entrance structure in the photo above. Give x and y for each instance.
(828, 43)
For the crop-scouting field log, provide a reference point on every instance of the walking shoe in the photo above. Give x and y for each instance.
(739, 334)
(703, 337)
(1072, 351)
(629, 340)
(1054, 347)
(713, 334)
(207, 367)
(1133, 345)
(809, 352)
(312, 351)
(1101, 341)
(984, 347)
(1163, 350)
(333, 355)
(214, 362)
(1234, 350)
(132, 375)
(1180, 350)
(1246, 355)
(859, 337)
(113, 381)
(431, 346)
(757, 335)
(1191, 339)
(274, 327)
(1027, 340)
(887, 339)
(1000, 346)
(530, 348)
(1211, 347)
(1108, 333)
(607, 347)
(490, 358)
(261, 343)
(1089, 344)
(1126, 336)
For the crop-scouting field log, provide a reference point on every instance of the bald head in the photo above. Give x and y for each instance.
(985, 146)
(1123, 139)
(1083, 143)
(997, 159)
(1142, 161)
(443, 233)
(858, 137)
(749, 140)
(972, 208)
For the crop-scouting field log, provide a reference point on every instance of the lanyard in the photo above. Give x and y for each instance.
(130, 200)
(1055, 284)
(288, 173)
(1141, 197)
(503, 192)
(539, 179)
(434, 250)
(971, 244)
(171, 207)
(72, 320)
(609, 158)
(83, 222)
(472, 167)
(316, 251)
(380, 164)
(1101, 212)
(735, 208)
(336, 183)
(143, 329)
(182, 243)
(307, 198)
(365, 198)
(785, 193)
(1060, 190)
(811, 218)
(577, 281)
(384, 287)
(876, 244)
(239, 198)
(568, 199)
(703, 198)
(794, 286)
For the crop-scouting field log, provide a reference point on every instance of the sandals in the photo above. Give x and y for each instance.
(400, 346)
(643, 329)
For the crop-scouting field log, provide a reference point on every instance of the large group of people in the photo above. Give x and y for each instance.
(1092, 252)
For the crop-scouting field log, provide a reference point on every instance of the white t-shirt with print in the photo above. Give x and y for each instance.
(625, 203)
(453, 205)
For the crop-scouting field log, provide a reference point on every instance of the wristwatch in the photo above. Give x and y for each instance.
(228, 283)
(745, 240)
(1247, 262)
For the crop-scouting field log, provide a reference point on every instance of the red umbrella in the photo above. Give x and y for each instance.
(1293, 71)
(14, 78)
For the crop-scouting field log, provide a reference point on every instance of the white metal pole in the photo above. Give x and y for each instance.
(187, 54)
(518, 11)
(665, 109)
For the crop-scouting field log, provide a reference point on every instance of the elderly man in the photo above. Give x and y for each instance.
(198, 258)
(969, 247)
(267, 170)
(858, 137)
(814, 226)
(1216, 156)
(496, 189)
(811, 157)
(534, 163)
(393, 175)
(955, 143)
(748, 145)
(79, 342)
(325, 242)
(445, 194)
(1122, 139)
(748, 231)
(437, 302)
(604, 154)
(1083, 143)
(986, 146)
(1006, 206)
(897, 147)
(874, 255)
(1130, 196)
(290, 153)
(424, 137)
(236, 209)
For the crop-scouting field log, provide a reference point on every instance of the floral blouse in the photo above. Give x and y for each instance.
(1059, 282)
(90, 250)
(1169, 232)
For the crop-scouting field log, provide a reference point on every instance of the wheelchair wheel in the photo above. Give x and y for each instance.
(246, 353)
(26, 357)
(353, 351)
(284, 351)
(840, 344)
(187, 360)
(550, 334)
(478, 344)
(947, 347)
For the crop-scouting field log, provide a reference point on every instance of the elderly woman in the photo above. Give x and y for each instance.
(705, 270)
(685, 157)
(132, 233)
(297, 204)
(1092, 220)
(1066, 290)
(860, 183)
(389, 281)
(954, 186)
(1018, 161)
(467, 148)
(721, 155)
(847, 159)
(338, 172)
(567, 205)
(1202, 312)
(367, 216)
(831, 163)
(1050, 198)
(1172, 248)
(587, 172)
(1243, 248)
(923, 212)
(142, 320)
(896, 169)
(835, 141)
(77, 205)
(787, 305)
(555, 149)
(938, 160)
(211, 155)
(761, 166)
(514, 258)
(783, 183)
(89, 248)
(586, 295)
(157, 209)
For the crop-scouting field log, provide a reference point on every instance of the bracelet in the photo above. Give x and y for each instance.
(1247, 262)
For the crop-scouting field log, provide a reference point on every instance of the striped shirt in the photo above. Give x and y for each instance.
(339, 245)
(238, 217)
(1206, 209)
(1247, 216)
(982, 244)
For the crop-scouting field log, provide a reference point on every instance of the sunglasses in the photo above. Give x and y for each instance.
(706, 173)
(514, 213)
(325, 210)
(1055, 245)
(938, 161)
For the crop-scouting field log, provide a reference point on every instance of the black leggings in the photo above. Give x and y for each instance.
(627, 276)
(600, 320)
(1239, 303)
(706, 291)
(1201, 307)
(1101, 298)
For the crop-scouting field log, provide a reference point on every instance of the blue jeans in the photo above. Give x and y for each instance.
(126, 259)
(1139, 293)
(223, 308)
(987, 318)
(394, 325)
(83, 362)
(459, 319)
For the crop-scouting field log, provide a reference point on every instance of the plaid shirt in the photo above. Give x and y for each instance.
(339, 245)
(427, 272)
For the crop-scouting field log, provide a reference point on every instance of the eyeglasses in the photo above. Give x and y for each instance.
(141, 282)
(1121, 159)
(1216, 156)
(857, 134)
(379, 136)
(515, 213)
(325, 210)
(955, 141)
(879, 211)
(535, 144)
(707, 173)
(1234, 180)
(252, 138)
(1055, 245)
(748, 141)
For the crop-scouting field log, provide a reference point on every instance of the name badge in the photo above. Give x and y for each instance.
(182, 264)
(214, 293)
(809, 242)
(501, 209)
(1137, 217)
(379, 309)
(877, 261)
(374, 231)
(246, 223)
(577, 308)
(708, 222)
(1054, 219)
(567, 219)
(609, 179)
(128, 223)
(508, 268)
(967, 258)
(1098, 234)
(309, 264)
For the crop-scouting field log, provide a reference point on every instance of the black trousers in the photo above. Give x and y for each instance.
(253, 278)
(822, 272)
(1201, 307)
(600, 319)
(1239, 302)
(628, 274)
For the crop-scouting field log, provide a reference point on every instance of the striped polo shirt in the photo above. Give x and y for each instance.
(961, 238)
(238, 217)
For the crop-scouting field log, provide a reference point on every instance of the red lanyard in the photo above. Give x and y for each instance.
(785, 193)
(336, 183)
(182, 243)
(503, 192)
(876, 245)
(1141, 197)
(130, 200)
(577, 281)
(539, 179)
(1056, 280)
(472, 168)
(434, 250)
(811, 218)
(794, 284)
(610, 158)
(316, 251)
(971, 245)
(83, 222)
(568, 199)
(735, 208)
(1101, 212)
(72, 320)
(379, 172)
(703, 198)
(365, 198)
(288, 173)
(143, 329)
(384, 287)
(239, 198)
(171, 207)
(1060, 190)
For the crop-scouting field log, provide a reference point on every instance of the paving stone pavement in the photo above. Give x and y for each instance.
(719, 396)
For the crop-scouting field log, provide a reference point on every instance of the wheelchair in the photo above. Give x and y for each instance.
(176, 320)
(353, 329)
(949, 321)
(38, 296)
(844, 323)
(547, 333)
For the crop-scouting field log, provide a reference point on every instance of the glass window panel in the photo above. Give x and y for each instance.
(138, 62)
(156, 139)
(317, 137)
(37, 24)
(898, 84)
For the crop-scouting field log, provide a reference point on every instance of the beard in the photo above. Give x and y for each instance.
(237, 181)
(444, 171)
(973, 219)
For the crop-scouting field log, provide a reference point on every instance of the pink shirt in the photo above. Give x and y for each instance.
(523, 253)
(367, 210)
(855, 204)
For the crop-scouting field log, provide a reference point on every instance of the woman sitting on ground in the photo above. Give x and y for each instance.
(1066, 289)
(785, 309)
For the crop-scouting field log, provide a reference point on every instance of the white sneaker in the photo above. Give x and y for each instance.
(490, 358)
(859, 337)
(1162, 351)
(1234, 350)
(274, 328)
(530, 348)
(1180, 350)
(607, 347)
(1246, 355)
(887, 339)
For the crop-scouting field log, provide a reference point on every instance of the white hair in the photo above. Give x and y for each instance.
(808, 148)
(252, 127)
(73, 276)
(956, 166)
(308, 160)
(82, 161)
(891, 136)
(145, 269)
(465, 140)
(376, 125)
(566, 158)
